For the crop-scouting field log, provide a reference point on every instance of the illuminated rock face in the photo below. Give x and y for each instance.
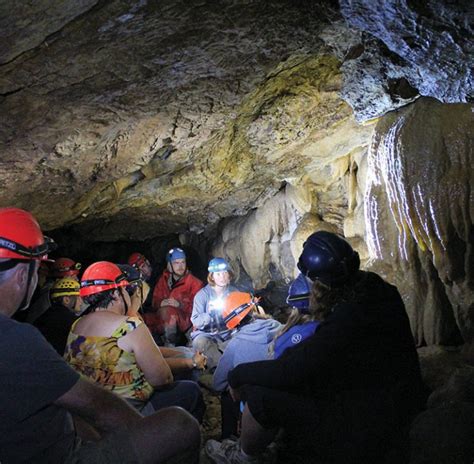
(428, 50)
(237, 129)
(419, 210)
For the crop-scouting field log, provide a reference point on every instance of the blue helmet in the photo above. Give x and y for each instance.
(174, 254)
(328, 258)
(218, 264)
(298, 293)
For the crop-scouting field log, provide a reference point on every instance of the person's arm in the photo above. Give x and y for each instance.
(186, 363)
(98, 407)
(308, 360)
(160, 292)
(226, 363)
(187, 298)
(148, 356)
(200, 318)
(138, 299)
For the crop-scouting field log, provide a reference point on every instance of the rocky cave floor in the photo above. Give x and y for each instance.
(211, 426)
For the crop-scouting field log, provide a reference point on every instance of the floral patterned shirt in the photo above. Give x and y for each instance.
(104, 362)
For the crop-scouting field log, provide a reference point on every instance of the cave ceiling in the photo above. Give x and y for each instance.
(132, 119)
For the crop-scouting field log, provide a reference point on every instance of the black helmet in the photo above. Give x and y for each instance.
(327, 257)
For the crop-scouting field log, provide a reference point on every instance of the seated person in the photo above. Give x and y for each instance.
(173, 297)
(183, 362)
(137, 289)
(41, 301)
(117, 351)
(56, 322)
(254, 333)
(39, 392)
(301, 323)
(65, 267)
(346, 391)
(209, 335)
(142, 264)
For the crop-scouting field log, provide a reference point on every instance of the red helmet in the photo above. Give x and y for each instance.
(136, 259)
(237, 305)
(64, 267)
(21, 236)
(102, 276)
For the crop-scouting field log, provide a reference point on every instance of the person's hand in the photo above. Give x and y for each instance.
(173, 302)
(234, 393)
(170, 302)
(200, 360)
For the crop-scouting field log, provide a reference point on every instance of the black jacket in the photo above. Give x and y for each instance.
(363, 345)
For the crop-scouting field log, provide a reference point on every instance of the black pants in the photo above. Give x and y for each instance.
(230, 415)
(351, 427)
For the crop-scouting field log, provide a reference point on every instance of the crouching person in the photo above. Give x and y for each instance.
(39, 391)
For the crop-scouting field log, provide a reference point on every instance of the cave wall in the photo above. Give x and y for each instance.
(405, 203)
(238, 127)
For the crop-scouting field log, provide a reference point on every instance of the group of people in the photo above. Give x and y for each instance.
(339, 379)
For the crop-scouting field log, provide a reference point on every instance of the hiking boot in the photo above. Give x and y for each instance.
(228, 452)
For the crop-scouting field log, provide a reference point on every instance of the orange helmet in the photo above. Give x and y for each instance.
(102, 276)
(21, 236)
(236, 306)
(65, 267)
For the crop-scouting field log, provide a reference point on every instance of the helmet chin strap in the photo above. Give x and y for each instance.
(25, 303)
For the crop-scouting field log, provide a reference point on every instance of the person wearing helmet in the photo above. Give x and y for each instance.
(254, 333)
(66, 267)
(173, 298)
(117, 351)
(141, 263)
(346, 391)
(56, 322)
(301, 324)
(39, 390)
(41, 300)
(210, 335)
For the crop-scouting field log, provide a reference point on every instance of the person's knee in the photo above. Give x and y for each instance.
(195, 401)
(154, 437)
(202, 343)
(186, 426)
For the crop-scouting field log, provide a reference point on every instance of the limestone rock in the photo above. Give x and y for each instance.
(432, 40)
(374, 79)
(28, 24)
(419, 211)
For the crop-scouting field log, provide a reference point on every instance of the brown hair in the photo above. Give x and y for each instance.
(322, 300)
(212, 282)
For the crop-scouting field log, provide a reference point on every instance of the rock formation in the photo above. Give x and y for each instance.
(243, 126)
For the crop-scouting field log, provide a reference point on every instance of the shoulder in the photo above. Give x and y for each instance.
(193, 279)
(205, 292)
(163, 277)
(14, 332)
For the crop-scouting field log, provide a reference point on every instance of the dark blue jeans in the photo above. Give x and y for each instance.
(183, 393)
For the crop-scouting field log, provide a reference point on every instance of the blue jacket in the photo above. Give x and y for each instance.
(250, 343)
